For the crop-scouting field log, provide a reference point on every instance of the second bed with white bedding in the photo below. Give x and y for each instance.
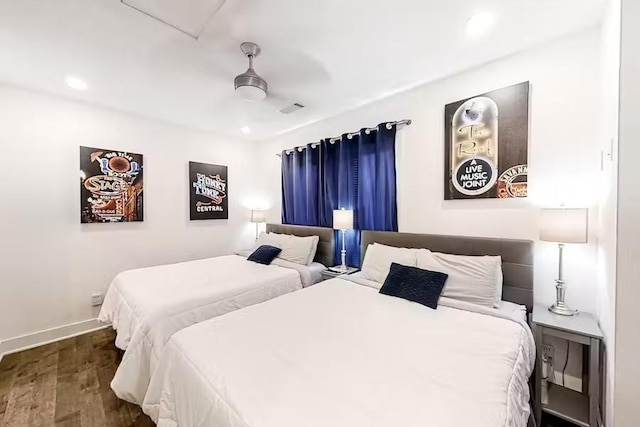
(351, 357)
(147, 306)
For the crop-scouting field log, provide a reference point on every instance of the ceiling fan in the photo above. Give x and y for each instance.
(249, 85)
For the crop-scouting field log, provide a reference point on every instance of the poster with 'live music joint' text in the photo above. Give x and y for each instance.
(208, 191)
(486, 145)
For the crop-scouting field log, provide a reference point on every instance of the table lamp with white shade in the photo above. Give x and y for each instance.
(343, 221)
(563, 226)
(258, 217)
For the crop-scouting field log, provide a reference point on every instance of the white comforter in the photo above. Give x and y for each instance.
(147, 306)
(341, 354)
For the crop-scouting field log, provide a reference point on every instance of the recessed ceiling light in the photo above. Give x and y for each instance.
(479, 24)
(245, 129)
(76, 83)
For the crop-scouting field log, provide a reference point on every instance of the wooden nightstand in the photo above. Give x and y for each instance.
(330, 274)
(581, 409)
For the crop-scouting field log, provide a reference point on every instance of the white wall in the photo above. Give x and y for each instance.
(627, 323)
(50, 264)
(607, 227)
(564, 155)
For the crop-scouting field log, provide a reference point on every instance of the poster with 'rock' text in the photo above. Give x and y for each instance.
(208, 191)
(486, 144)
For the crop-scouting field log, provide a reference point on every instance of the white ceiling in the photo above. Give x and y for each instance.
(330, 55)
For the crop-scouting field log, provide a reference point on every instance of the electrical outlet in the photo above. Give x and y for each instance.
(547, 351)
(97, 299)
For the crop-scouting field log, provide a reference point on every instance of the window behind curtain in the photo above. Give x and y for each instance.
(357, 174)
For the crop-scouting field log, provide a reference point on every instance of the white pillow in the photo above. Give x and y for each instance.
(378, 259)
(271, 239)
(474, 279)
(294, 249)
(499, 283)
(314, 249)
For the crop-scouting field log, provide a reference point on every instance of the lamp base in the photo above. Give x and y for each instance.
(560, 307)
(562, 310)
(343, 252)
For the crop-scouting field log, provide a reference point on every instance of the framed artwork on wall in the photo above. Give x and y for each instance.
(208, 191)
(486, 145)
(111, 186)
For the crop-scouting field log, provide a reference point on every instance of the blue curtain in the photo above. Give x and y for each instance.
(301, 186)
(377, 208)
(357, 174)
(339, 174)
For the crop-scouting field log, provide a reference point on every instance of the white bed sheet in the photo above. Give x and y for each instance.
(146, 306)
(350, 357)
(310, 274)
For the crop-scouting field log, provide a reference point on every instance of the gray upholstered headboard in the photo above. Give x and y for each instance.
(326, 247)
(517, 256)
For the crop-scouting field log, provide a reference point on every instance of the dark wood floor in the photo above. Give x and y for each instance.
(65, 384)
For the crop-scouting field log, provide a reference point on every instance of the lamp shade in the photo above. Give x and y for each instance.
(564, 225)
(258, 216)
(342, 219)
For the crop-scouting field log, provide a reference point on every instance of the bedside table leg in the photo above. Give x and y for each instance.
(594, 386)
(537, 410)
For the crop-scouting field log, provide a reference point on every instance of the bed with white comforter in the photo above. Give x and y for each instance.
(341, 354)
(147, 306)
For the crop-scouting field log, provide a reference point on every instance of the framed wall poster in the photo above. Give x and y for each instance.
(111, 186)
(208, 191)
(486, 144)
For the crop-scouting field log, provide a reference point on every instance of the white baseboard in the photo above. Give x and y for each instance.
(36, 339)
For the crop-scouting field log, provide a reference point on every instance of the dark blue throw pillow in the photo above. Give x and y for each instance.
(264, 254)
(414, 284)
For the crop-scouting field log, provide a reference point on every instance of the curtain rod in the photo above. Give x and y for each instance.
(350, 135)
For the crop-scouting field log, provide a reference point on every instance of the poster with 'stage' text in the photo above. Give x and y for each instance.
(111, 186)
(486, 145)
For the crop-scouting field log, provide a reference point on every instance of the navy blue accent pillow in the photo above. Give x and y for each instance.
(414, 284)
(264, 254)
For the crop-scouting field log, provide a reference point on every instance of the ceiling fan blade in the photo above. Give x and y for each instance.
(276, 100)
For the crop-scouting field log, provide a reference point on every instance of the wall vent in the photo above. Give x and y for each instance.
(292, 108)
